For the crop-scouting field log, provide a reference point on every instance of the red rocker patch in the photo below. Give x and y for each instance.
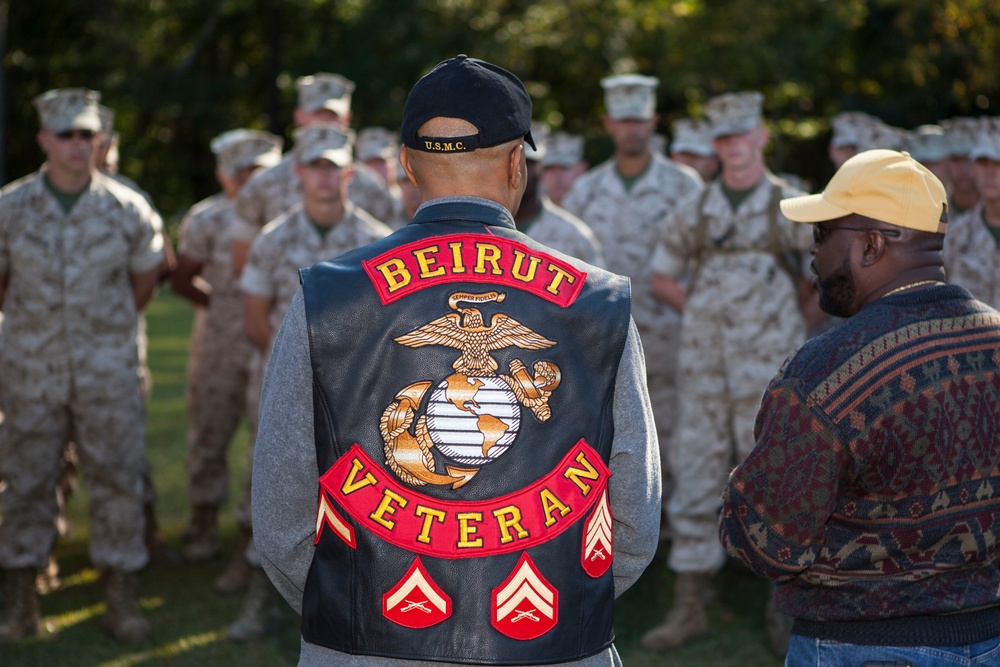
(422, 524)
(525, 605)
(416, 601)
(475, 258)
(598, 550)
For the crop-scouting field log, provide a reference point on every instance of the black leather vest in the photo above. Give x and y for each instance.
(463, 387)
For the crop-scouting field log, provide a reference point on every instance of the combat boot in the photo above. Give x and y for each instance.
(203, 534)
(20, 614)
(235, 577)
(123, 618)
(258, 615)
(686, 620)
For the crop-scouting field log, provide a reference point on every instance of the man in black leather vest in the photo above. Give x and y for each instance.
(455, 441)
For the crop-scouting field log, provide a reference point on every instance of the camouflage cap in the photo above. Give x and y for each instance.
(375, 142)
(69, 109)
(848, 127)
(241, 148)
(630, 96)
(563, 150)
(324, 141)
(325, 91)
(540, 133)
(987, 139)
(692, 136)
(961, 135)
(735, 113)
(877, 135)
(928, 144)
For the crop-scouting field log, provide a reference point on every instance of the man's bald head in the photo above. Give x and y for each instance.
(485, 172)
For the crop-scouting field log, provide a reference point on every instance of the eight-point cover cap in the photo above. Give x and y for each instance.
(489, 97)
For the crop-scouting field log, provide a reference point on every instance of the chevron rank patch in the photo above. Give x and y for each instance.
(327, 516)
(525, 605)
(416, 601)
(598, 552)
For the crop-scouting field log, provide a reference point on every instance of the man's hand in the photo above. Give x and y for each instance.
(669, 291)
(186, 281)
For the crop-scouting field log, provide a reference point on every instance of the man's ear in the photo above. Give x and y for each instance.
(516, 175)
(404, 161)
(873, 250)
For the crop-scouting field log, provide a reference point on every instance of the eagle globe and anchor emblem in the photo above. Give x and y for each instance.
(473, 415)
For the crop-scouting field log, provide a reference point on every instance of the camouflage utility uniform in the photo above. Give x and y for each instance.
(627, 224)
(69, 365)
(972, 256)
(559, 229)
(741, 321)
(217, 362)
(272, 192)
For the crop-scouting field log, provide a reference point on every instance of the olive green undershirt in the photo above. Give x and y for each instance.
(322, 230)
(735, 197)
(629, 181)
(66, 199)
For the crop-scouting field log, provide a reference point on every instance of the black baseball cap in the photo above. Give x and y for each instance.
(489, 97)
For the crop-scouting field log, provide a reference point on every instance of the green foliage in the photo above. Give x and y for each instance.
(181, 71)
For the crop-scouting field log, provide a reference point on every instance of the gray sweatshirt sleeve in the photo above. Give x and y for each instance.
(285, 476)
(635, 485)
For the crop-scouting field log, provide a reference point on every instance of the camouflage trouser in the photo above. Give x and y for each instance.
(721, 379)
(257, 366)
(216, 399)
(109, 439)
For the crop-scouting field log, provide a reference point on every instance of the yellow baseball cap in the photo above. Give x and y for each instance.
(881, 184)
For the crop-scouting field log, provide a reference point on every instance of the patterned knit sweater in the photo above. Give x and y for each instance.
(872, 497)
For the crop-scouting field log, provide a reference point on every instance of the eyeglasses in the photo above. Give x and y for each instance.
(820, 232)
(66, 135)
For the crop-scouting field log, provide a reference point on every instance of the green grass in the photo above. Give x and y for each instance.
(189, 619)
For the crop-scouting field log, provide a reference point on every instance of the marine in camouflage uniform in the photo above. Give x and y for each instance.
(741, 320)
(219, 349)
(627, 217)
(323, 98)
(544, 221)
(972, 244)
(78, 253)
(270, 280)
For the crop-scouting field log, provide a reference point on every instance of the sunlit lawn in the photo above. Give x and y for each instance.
(189, 619)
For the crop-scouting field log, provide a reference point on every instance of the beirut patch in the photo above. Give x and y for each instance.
(473, 258)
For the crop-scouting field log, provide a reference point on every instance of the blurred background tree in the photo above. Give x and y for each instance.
(178, 72)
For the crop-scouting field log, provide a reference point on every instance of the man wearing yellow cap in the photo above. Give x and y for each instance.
(872, 498)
